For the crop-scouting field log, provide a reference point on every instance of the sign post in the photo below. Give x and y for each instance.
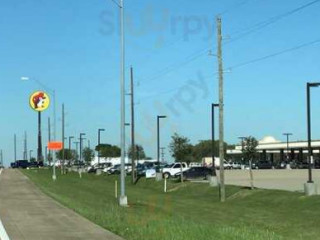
(39, 101)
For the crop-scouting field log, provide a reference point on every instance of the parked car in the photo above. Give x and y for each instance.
(235, 165)
(172, 169)
(195, 164)
(22, 164)
(226, 165)
(128, 167)
(95, 167)
(107, 167)
(142, 169)
(195, 172)
(302, 165)
(115, 169)
(264, 165)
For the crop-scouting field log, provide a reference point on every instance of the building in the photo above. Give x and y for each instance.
(272, 150)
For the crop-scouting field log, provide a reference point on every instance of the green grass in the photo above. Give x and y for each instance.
(191, 211)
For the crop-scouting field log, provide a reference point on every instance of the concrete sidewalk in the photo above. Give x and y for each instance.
(27, 213)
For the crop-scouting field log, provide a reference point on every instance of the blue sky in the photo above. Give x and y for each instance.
(73, 47)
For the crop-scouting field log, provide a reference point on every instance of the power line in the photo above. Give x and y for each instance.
(236, 6)
(275, 54)
(265, 23)
(176, 66)
(255, 60)
(195, 55)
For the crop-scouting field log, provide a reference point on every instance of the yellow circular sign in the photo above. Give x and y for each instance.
(39, 101)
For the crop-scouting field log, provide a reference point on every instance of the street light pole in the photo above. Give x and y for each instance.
(287, 135)
(71, 137)
(213, 105)
(158, 138)
(310, 154)
(81, 134)
(123, 201)
(77, 150)
(99, 130)
(30, 152)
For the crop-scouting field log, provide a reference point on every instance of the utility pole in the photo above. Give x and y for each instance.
(123, 201)
(15, 148)
(77, 150)
(63, 141)
(133, 145)
(1, 158)
(25, 152)
(221, 107)
(213, 105)
(81, 138)
(49, 140)
(39, 152)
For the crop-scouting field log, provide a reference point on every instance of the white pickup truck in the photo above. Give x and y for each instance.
(172, 169)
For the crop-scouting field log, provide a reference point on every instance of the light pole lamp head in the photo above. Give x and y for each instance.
(101, 129)
(162, 116)
(314, 84)
(215, 104)
(25, 78)
(287, 134)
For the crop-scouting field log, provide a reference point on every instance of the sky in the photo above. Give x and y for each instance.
(270, 50)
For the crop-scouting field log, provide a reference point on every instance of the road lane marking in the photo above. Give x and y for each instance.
(3, 233)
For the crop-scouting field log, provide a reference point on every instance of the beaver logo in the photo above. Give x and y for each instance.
(39, 101)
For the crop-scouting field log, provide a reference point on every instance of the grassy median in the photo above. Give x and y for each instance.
(188, 211)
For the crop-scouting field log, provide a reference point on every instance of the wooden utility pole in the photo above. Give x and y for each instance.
(15, 148)
(133, 146)
(63, 157)
(49, 140)
(221, 106)
(25, 143)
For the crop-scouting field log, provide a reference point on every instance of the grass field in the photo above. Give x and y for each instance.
(189, 211)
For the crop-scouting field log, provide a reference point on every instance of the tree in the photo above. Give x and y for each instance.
(249, 152)
(108, 150)
(204, 149)
(68, 154)
(180, 148)
(88, 154)
(139, 152)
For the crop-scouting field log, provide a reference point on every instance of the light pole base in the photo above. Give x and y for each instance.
(310, 189)
(158, 176)
(123, 201)
(213, 181)
(54, 177)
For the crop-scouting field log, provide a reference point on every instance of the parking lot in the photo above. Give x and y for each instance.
(290, 180)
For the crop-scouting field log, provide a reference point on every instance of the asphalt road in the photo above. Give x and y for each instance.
(28, 214)
(290, 180)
